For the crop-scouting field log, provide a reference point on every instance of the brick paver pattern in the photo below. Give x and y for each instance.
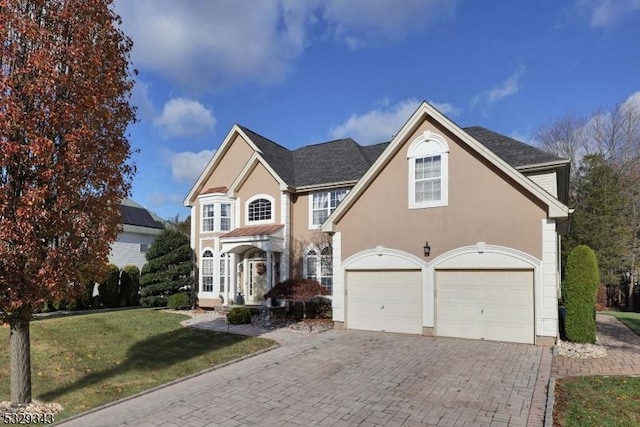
(623, 353)
(353, 378)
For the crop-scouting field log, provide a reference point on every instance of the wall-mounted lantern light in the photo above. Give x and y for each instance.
(427, 249)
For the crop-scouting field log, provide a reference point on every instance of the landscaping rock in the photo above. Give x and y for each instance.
(579, 351)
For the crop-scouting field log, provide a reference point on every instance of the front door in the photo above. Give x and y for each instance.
(256, 280)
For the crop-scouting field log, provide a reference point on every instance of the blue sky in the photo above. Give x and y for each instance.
(302, 72)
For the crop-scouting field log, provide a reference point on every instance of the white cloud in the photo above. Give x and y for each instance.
(183, 117)
(187, 166)
(208, 45)
(356, 21)
(377, 125)
(606, 13)
(446, 108)
(157, 198)
(142, 100)
(633, 101)
(205, 45)
(507, 88)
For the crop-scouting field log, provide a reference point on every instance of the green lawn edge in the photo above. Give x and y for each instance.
(87, 361)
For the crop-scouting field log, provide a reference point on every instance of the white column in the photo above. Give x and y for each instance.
(233, 277)
(338, 279)
(285, 219)
(269, 271)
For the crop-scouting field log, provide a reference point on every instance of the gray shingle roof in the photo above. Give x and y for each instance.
(335, 161)
(278, 157)
(512, 151)
(346, 160)
(133, 215)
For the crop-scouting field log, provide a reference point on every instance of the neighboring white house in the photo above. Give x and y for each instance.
(140, 229)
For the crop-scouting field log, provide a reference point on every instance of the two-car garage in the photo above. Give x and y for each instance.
(492, 303)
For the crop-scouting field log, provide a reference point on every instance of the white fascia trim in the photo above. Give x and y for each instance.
(556, 209)
(213, 163)
(542, 166)
(326, 186)
(138, 229)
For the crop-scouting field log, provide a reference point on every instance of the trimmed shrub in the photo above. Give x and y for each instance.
(179, 301)
(130, 286)
(168, 269)
(239, 316)
(108, 288)
(297, 290)
(580, 291)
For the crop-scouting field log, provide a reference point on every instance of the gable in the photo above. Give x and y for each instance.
(482, 201)
(229, 165)
(427, 114)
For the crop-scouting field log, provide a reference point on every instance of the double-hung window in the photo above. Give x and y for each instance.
(323, 203)
(217, 216)
(428, 179)
(208, 217)
(428, 158)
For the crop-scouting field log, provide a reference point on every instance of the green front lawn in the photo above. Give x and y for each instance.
(597, 401)
(85, 361)
(630, 319)
(600, 401)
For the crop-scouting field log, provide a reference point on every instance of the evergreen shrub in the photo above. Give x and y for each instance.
(580, 291)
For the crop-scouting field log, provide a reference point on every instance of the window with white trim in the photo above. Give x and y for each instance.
(318, 265)
(311, 264)
(428, 157)
(224, 271)
(322, 204)
(260, 209)
(207, 271)
(208, 217)
(217, 216)
(326, 269)
(225, 216)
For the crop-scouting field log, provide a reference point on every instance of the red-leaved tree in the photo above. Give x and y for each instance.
(65, 162)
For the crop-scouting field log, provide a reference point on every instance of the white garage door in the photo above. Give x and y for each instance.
(485, 304)
(384, 300)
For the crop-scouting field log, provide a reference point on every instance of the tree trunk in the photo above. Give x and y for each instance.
(20, 361)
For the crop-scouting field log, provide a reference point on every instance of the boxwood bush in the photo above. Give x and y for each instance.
(580, 291)
(179, 301)
(239, 316)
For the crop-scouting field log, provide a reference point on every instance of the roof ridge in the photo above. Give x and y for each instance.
(246, 129)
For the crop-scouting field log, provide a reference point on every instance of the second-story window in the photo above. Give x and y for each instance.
(260, 209)
(216, 216)
(323, 203)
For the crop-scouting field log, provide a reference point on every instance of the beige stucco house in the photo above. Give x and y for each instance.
(441, 231)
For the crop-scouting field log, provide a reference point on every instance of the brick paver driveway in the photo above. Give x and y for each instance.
(348, 378)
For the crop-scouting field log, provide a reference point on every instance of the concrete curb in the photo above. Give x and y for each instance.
(551, 396)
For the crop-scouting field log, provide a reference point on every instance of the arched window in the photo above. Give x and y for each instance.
(207, 271)
(260, 210)
(428, 157)
(326, 268)
(311, 264)
(318, 265)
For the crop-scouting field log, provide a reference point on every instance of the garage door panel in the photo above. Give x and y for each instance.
(485, 304)
(385, 301)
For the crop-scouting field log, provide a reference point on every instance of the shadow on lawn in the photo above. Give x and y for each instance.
(156, 353)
